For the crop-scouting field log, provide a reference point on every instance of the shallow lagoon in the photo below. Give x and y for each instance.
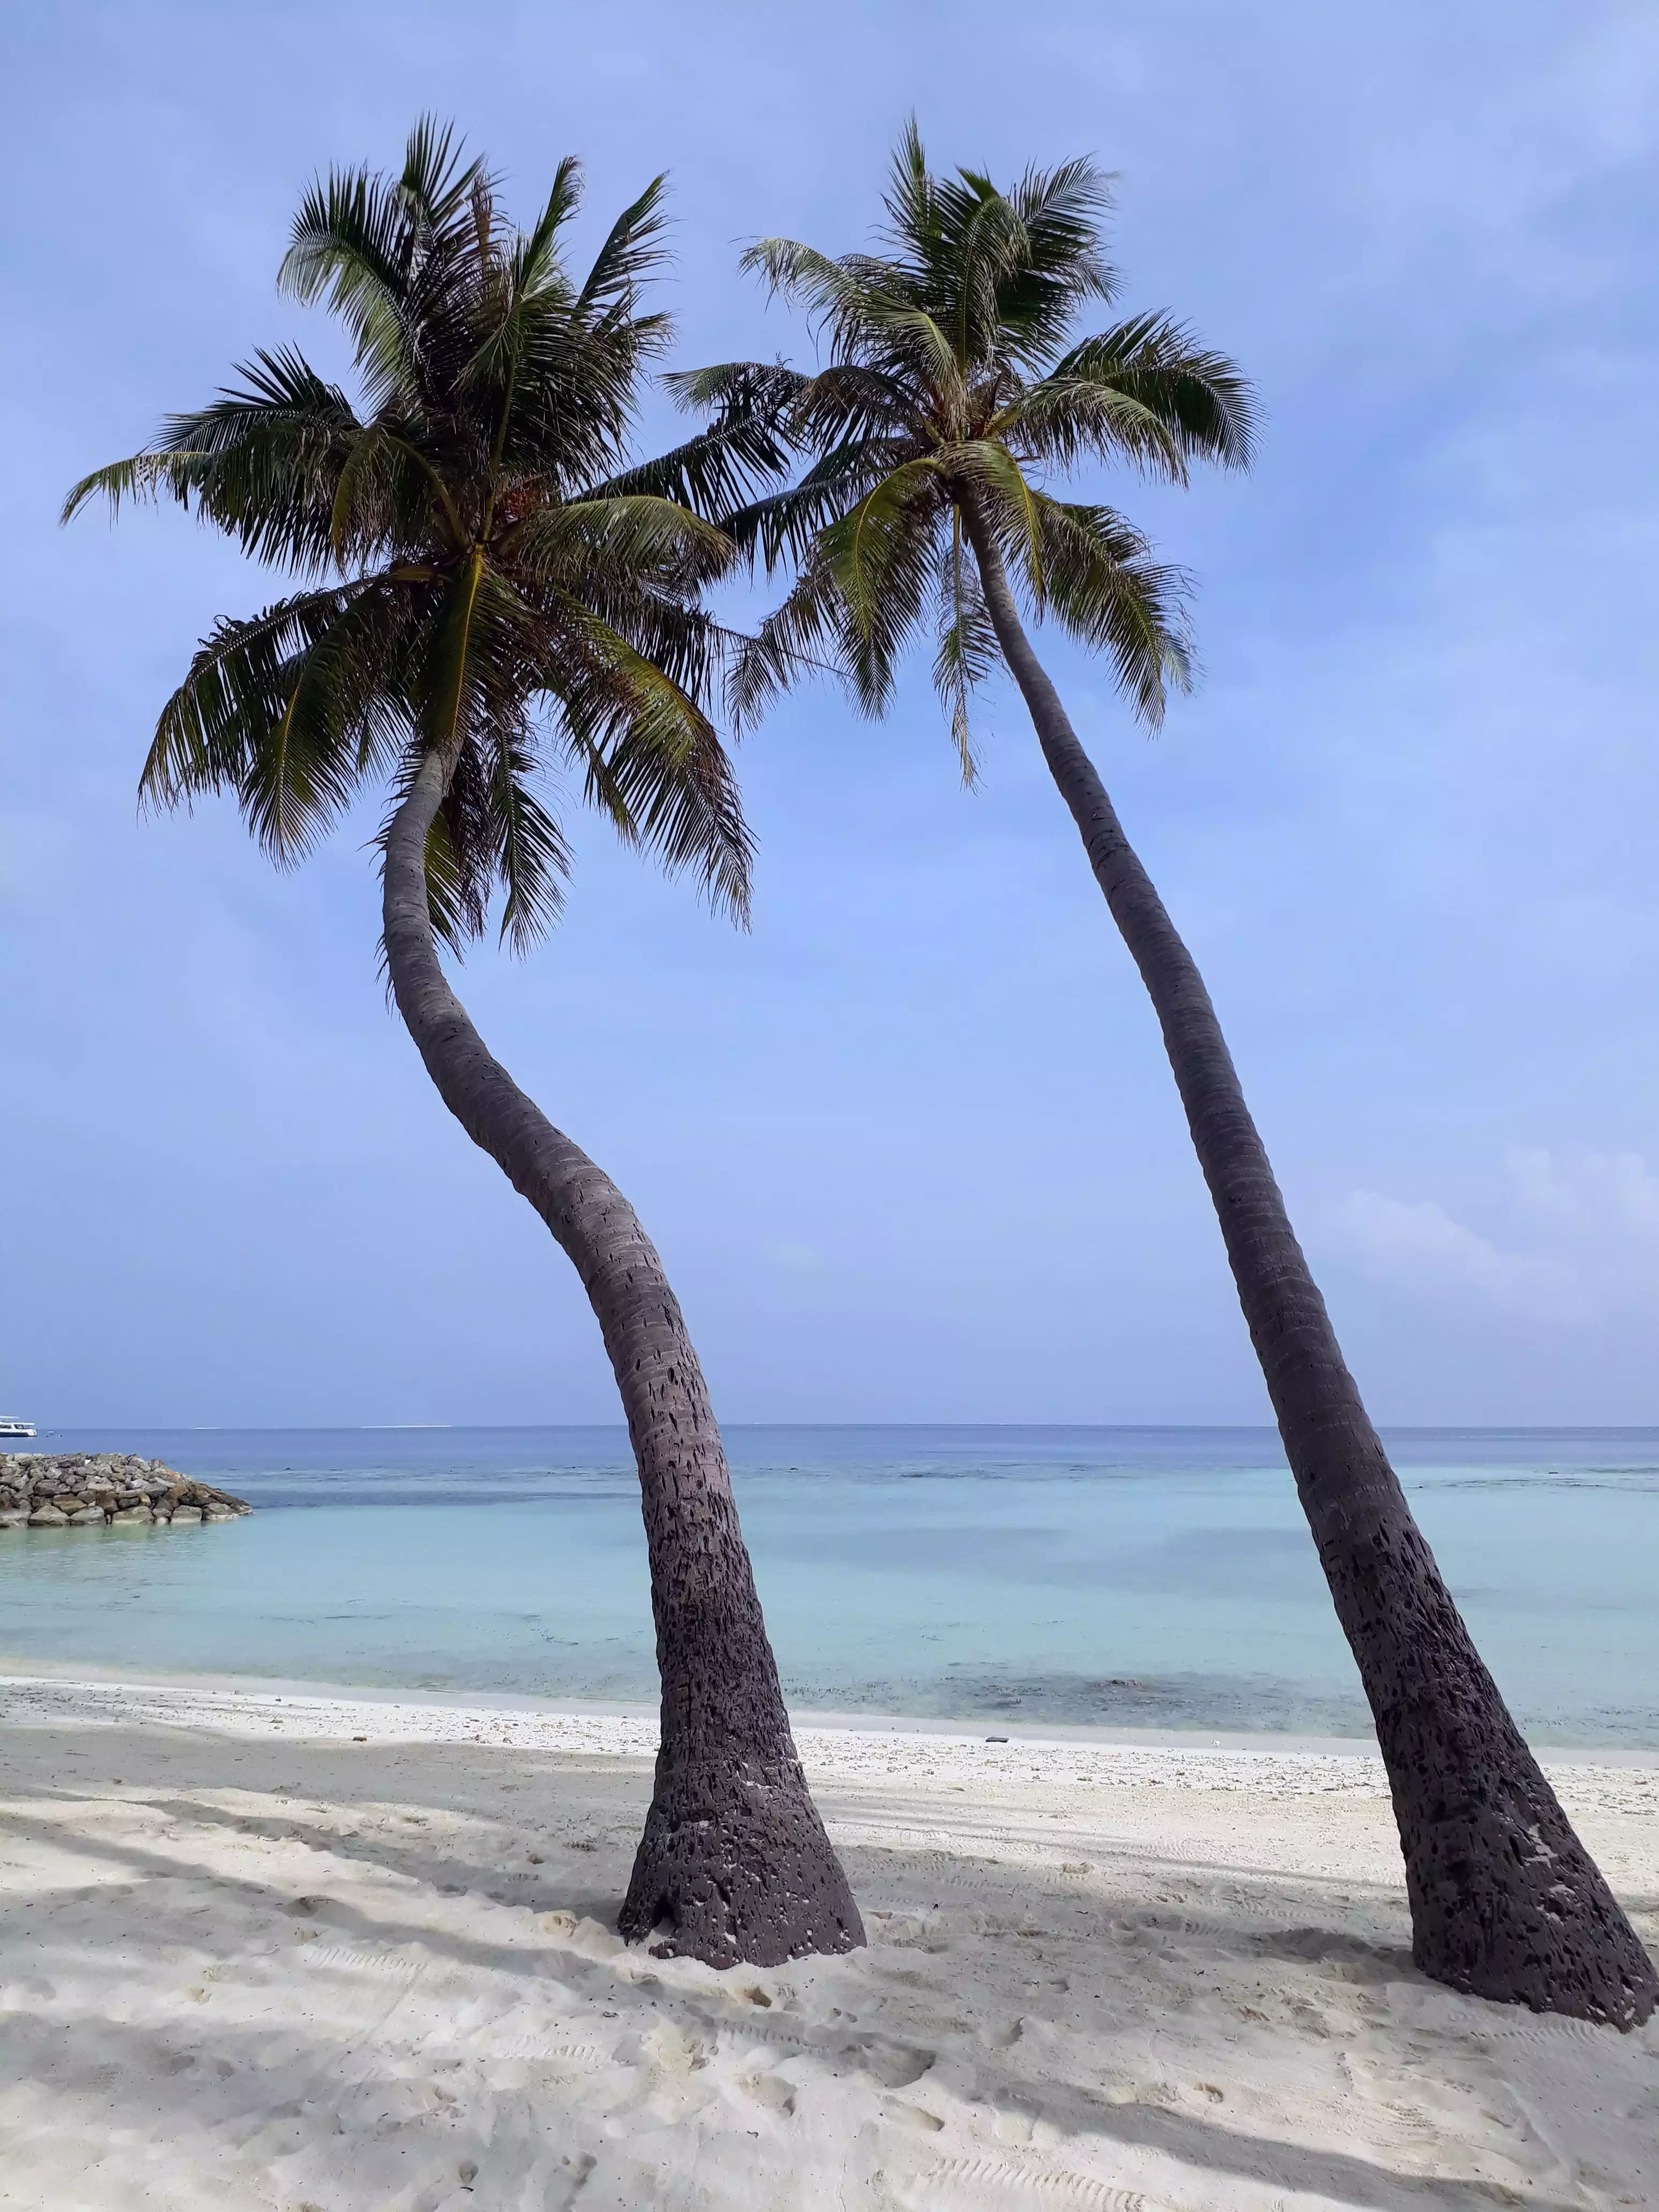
(1159, 1577)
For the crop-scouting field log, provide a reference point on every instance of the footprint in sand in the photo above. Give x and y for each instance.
(1542, 2028)
(913, 2116)
(896, 2066)
(540, 2050)
(384, 1966)
(771, 2091)
(760, 2034)
(990, 2184)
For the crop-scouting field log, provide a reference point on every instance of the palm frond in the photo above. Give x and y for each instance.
(1066, 419)
(910, 198)
(455, 868)
(145, 476)
(1062, 211)
(653, 761)
(396, 261)
(852, 399)
(435, 183)
(633, 535)
(350, 248)
(788, 521)
(261, 461)
(985, 243)
(454, 668)
(1103, 585)
(518, 287)
(880, 557)
(533, 855)
(968, 652)
(761, 390)
(997, 485)
(1195, 404)
(290, 709)
(535, 259)
(747, 445)
(388, 496)
(633, 250)
(800, 273)
(803, 635)
(231, 696)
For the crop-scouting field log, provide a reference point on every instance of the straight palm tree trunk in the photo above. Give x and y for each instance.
(1505, 1901)
(734, 1863)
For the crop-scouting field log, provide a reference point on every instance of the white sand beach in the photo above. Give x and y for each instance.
(322, 1953)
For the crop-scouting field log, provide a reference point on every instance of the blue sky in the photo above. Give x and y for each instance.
(911, 1149)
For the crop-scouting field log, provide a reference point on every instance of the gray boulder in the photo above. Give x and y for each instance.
(51, 1489)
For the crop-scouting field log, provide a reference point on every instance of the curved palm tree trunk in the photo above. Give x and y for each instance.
(1505, 1901)
(734, 1863)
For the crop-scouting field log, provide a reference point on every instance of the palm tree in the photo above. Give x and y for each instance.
(953, 383)
(487, 594)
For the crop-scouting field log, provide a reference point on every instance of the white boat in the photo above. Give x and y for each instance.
(9, 1428)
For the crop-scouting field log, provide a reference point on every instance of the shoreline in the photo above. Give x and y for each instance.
(99, 1680)
(906, 1755)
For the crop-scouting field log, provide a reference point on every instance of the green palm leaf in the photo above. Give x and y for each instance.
(653, 761)
(803, 635)
(1103, 586)
(288, 710)
(1145, 392)
(967, 654)
(643, 535)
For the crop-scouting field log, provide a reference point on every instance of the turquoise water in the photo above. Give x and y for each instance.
(1124, 1577)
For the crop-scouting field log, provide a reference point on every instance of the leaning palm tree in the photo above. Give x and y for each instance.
(953, 386)
(487, 594)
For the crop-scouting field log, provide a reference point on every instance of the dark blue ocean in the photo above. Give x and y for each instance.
(1141, 1577)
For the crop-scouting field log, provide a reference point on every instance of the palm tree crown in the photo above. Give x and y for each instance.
(482, 575)
(954, 383)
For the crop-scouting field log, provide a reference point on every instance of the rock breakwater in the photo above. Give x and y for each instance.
(103, 1490)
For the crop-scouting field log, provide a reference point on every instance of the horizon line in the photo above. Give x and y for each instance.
(1169, 1428)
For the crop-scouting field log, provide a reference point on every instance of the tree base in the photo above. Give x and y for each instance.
(1507, 1904)
(734, 1869)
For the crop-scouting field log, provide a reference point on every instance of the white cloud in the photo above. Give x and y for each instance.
(1618, 1191)
(1577, 1238)
(1416, 1242)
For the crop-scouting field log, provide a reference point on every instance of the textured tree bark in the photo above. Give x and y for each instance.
(734, 1863)
(1505, 1901)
